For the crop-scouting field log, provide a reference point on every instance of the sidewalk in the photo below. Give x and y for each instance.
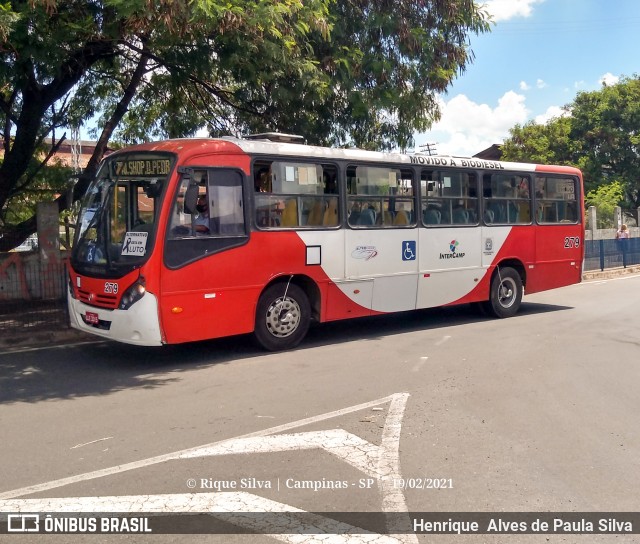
(36, 324)
(62, 333)
(610, 273)
(36, 339)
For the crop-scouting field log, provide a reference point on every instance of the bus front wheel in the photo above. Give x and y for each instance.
(282, 317)
(506, 293)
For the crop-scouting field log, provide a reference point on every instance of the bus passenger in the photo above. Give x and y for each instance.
(262, 181)
(329, 183)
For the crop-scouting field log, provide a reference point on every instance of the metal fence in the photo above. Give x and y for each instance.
(32, 298)
(611, 253)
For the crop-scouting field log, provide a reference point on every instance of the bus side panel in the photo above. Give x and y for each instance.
(347, 299)
(217, 295)
(559, 254)
(341, 298)
(200, 300)
(389, 257)
(450, 265)
(500, 244)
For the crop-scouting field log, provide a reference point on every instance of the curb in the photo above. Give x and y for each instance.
(45, 338)
(610, 273)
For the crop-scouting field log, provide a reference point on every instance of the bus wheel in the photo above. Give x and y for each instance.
(282, 317)
(506, 293)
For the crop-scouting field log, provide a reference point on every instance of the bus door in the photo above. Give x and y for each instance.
(383, 266)
(450, 264)
(381, 249)
(205, 269)
(450, 245)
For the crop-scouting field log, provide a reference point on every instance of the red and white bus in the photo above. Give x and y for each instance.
(297, 233)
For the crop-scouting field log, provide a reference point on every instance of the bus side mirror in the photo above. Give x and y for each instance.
(153, 189)
(191, 199)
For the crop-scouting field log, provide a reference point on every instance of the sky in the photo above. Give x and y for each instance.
(537, 57)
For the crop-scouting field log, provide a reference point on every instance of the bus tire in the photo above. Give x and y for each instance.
(506, 293)
(281, 323)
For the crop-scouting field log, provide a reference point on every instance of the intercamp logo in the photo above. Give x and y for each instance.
(453, 247)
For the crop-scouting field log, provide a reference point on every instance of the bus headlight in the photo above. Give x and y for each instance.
(133, 294)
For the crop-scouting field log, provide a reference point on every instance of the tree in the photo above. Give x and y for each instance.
(599, 134)
(341, 72)
(607, 123)
(605, 198)
(543, 144)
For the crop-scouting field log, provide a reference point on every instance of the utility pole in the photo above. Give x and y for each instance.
(76, 155)
(428, 149)
(76, 149)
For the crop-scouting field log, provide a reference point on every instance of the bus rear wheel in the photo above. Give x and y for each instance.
(282, 317)
(506, 293)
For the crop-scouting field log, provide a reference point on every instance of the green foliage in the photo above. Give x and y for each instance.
(605, 198)
(606, 122)
(7, 19)
(599, 134)
(543, 144)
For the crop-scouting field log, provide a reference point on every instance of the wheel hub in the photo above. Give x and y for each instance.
(283, 317)
(507, 293)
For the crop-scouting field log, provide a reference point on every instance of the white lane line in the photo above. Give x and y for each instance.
(442, 340)
(92, 442)
(419, 364)
(178, 454)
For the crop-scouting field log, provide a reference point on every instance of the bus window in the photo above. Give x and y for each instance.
(184, 224)
(216, 221)
(449, 198)
(556, 199)
(219, 208)
(295, 195)
(506, 199)
(226, 203)
(382, 197)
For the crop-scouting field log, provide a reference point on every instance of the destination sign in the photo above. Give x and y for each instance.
(142, 168)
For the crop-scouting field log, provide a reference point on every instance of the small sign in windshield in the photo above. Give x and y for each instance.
(135, 243)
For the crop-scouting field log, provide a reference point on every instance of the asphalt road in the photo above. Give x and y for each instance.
(432, 411)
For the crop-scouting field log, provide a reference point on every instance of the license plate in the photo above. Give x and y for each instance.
(91, 318)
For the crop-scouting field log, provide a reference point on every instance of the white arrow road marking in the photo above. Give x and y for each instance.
(239, 508)
(350, 448)
(179, 454)
(389, 465)
(380, 461)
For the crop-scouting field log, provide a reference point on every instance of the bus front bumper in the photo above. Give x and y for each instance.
(138, 325)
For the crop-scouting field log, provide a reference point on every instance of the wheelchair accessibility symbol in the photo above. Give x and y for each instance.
(409, 250)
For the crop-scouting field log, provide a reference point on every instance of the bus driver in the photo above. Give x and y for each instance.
(201, 222)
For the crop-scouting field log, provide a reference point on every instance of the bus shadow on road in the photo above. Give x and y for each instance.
(104, 367)
(368, 328)
(99, 368)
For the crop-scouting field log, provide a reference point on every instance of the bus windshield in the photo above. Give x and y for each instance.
(118, 218)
